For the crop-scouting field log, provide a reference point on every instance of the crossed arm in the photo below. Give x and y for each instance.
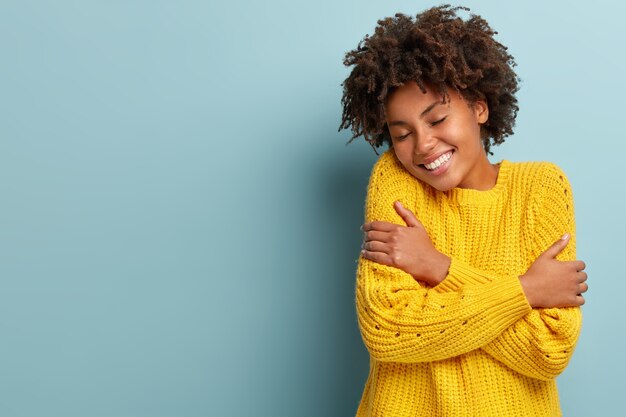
(413, 311)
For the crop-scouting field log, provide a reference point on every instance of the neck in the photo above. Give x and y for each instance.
(485, 178)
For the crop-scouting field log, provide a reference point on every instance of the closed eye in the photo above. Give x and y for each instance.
(436, 122)
(402, 137)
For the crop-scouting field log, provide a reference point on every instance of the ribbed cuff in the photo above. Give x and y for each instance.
(460, 273)
(506, 301)
(503, 291)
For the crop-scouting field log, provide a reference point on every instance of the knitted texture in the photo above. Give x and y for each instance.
(472, 345)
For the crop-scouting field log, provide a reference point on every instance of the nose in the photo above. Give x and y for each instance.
(424, 145)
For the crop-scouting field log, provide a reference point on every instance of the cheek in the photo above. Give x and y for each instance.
(403, 150)
(454, 131)
(463, 133)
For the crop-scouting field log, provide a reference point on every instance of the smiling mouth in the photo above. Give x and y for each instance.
(438, 162)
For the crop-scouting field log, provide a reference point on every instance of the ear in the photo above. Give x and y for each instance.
(481, 111)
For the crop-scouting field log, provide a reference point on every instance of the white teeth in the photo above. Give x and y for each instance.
(437, 162)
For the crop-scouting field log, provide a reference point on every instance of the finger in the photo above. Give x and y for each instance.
(379, 257)
(380, 226)
(377, 247)
(406, 214)
(582, 276)
(580, 300)
(583, 287)
(375, 235)
(575, 265)
(557, 246)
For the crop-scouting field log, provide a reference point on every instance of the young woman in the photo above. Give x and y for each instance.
(468, 290)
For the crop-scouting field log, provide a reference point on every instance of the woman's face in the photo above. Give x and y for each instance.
(439, 143)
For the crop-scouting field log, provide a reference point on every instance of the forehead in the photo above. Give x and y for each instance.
(410, 95)
(409, 98)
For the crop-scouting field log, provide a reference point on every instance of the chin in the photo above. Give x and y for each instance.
(439, 185)
(444, 183)
(442, 188)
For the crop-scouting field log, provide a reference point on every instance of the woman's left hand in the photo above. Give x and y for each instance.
(408, 248)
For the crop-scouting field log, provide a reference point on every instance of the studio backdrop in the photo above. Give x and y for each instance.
(179, 215)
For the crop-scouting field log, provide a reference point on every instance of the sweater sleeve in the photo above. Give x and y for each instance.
(403, 320)
(541, 344)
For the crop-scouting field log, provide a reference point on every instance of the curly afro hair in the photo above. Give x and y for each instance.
(436, 48)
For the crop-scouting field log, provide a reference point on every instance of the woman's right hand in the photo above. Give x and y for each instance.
(553, 283)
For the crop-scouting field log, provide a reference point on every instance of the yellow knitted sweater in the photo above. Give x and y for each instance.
(471, 346)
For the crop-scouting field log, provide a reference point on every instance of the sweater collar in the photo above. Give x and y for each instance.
(468, 196)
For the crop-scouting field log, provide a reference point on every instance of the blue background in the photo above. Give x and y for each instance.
(179, 215)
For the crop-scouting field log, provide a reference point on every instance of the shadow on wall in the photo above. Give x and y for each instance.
(344, 188)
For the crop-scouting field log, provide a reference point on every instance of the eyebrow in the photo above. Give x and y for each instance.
(424, 113)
